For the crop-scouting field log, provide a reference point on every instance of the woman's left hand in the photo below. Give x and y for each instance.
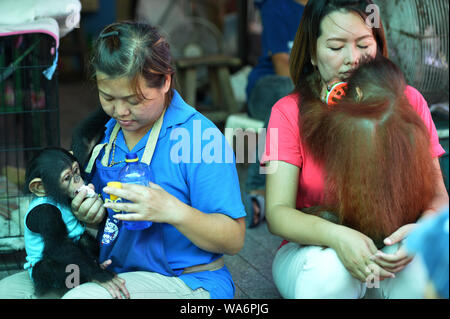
(150, 203)
(400, 259)
(214, 232)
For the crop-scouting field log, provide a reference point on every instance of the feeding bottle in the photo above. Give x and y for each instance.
(135, 172)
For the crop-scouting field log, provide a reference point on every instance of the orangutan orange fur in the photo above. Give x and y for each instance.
(375, 151)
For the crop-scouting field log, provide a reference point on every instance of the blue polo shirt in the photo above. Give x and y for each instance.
(193, 162)
(280, 20)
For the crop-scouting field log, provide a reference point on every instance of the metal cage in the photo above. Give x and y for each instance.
(29, 121)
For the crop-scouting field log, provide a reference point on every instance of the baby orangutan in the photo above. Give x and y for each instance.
(375, 152)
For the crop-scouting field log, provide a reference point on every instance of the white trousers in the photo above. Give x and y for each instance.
(315, 272)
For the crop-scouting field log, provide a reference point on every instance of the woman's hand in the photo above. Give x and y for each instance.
(214, 232)
(88, 210)
(355, 250)
(150, 203)
(400, 259)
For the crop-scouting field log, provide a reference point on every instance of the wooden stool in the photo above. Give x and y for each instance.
(240, 121)
(224, 102)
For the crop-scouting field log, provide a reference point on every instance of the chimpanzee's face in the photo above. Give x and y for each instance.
(71, 180)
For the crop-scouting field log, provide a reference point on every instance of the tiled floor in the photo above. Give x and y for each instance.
(251, 268)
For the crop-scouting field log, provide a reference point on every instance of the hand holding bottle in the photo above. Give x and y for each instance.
(134, 172)
(151, 203)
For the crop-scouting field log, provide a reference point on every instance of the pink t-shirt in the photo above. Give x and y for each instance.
(288, 147)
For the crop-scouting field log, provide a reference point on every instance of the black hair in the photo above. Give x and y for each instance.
(309, 31)
(48, 165)
(134, 49)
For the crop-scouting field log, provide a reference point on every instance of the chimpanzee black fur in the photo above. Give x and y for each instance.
(46, 219)
(87, 134)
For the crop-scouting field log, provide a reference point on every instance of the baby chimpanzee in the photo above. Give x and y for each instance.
(54, 238)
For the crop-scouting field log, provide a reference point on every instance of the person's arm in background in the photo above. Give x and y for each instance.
(276, 37)
(279, 35)
(280, 63)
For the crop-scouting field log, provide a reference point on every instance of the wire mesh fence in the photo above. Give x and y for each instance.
(29, 121)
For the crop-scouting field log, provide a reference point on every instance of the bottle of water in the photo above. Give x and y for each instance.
(134, 172)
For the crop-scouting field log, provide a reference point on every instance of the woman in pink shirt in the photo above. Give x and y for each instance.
(321, 259)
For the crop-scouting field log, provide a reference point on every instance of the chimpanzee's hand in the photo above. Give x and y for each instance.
(116, 287)
(111, 282)
(105, 264)
(88, 210)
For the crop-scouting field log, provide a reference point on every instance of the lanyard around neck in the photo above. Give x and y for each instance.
(149, 147)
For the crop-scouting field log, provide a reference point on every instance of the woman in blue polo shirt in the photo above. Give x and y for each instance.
(193, 199)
